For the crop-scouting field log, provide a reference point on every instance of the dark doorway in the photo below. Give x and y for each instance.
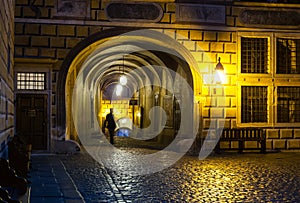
(31, 114)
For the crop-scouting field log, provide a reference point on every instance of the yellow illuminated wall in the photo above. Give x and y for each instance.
(121, 109)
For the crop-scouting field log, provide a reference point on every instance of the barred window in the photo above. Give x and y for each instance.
(254, 55)
(31, 81)
(288, 56)
(254, 104)
(288, 104)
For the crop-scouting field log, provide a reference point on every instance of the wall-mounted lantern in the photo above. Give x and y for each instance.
(219, 77)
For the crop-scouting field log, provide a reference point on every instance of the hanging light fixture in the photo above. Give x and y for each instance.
(123, 78)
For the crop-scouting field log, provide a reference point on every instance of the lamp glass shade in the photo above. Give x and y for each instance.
(123, 80)
(219, 77)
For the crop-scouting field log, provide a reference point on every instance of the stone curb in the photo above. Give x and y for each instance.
(50, 182)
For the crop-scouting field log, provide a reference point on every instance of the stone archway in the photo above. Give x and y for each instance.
(61, 83)
(179, 60)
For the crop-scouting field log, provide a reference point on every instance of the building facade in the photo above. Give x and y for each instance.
(257, 43)
(6, 75)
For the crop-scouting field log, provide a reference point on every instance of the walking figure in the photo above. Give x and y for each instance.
(110, 124)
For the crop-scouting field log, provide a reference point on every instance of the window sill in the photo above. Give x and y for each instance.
(253, 125)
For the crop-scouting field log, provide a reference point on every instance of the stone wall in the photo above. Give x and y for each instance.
(6, 75)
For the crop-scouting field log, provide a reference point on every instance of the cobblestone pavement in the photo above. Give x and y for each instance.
(249, 177)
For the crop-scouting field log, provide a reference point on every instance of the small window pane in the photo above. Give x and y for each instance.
(288, 56)
(31, 81)
(254, 55)
(254, 104)
(288, 104)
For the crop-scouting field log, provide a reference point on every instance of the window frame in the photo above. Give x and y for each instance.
(272, 80)
(239, 105)
(44, 74)
(283, 84)
(255, 79)
(27, 67)
(283, 80)
(241, 35)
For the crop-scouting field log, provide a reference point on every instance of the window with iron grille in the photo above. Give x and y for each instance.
(288, 104)
(31, 81)
(254, 104)
(254, 55)
(288, 56)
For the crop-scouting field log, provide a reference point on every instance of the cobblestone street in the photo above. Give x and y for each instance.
(249, 177)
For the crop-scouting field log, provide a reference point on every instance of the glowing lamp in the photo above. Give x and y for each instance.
(123, 80)
(219, 77)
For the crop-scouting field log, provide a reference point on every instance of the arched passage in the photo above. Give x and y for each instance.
(114, 52)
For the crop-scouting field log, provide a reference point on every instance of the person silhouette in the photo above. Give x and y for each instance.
(110, 124)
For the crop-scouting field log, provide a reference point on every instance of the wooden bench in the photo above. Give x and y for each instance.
(241, 135)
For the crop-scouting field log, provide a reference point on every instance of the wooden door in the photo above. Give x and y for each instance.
(31, 114)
